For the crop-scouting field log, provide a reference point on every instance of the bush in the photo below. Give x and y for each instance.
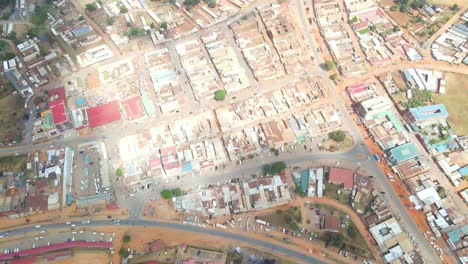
(91, 7)
(455, 7)
(123, 252)
(110, 21)
(136, 32)
(329, 65)
(166, 194)
(38, 100)
(126, 239)
(355, 19)
(164, 25)
(274, 168)
(118, 172)
(123, 9)
(338, 135)
(220, 95)
(176, 192)
(395, 8)
(396, 28)
(308, 221)
(333, 76)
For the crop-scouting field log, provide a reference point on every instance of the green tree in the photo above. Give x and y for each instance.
(126, 238)
(352, 232)
(164, 25)
(118, 172)
(172, 2)
(38, 100)
(355, 19)
(279, 167)
(455, 7)
(418, 4)
(3, 44)
(8, 55)
(220, 95)
(299, 191)
(395, 8)
(404, 8)
(279, 212)
(333, 76)
(211, 3)
(338, 135)
(396, 28)
(136, 32)
(176, 192)
(124, 253)
(6, 15)
(166, 194)
(12, 36)
(91, 7)
(329, 65)
(18, 138)
(123, 9)
(110, 21)
(33, 32)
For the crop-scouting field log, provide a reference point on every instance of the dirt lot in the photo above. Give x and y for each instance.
(333, 145)
(455, 99)
(11, 116)
(83, 258)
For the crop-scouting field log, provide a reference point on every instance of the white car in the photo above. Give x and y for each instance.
(85, 222)
(38, 226)
(67, 223)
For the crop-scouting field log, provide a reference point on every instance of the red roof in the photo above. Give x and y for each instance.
(134, 107)
(103, 114)
(30, 260)
(338, 176)
(58, 111)
(57, 94)
(154, 163)
(112, 207)
(356, 88)
(54, 247)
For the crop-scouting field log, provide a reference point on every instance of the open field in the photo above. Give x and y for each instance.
(332, 191)
(332, 145)
(447, 2)
(83, 258)
(11, 114)
(455, 99)
(13, 163)
(291, 218)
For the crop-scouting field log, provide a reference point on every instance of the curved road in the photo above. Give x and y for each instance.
(257, 242)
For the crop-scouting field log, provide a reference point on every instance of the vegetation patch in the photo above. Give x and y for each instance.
(13, 163)
(290, 219)
(336, 192)
(11, 118)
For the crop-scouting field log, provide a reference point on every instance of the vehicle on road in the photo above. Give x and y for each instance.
(85, 222)
(377, 157)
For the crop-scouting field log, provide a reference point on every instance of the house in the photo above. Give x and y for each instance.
(342, 176)
(374, 106)
(385, 230)
(103, 114)
(426, 115)
(402, 153)
(331, 222)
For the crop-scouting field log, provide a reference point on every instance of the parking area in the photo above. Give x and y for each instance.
(87, 179)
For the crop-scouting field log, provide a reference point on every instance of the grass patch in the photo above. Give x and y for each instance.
(454, 99)
(332, 191)
(363, 31)
(291, 218)
(11, 118)
(13, 163)
(332, 145)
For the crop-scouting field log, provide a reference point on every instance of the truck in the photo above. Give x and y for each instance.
(377, 157)
(261, 222)
(221, 226)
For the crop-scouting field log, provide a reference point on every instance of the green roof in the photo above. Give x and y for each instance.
(403, 153)
(149, 107)
(48, 121)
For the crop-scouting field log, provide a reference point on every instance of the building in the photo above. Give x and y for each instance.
(402, 153)
(374, 106)
(426, 115)
(103, 114)
(20, 84)
(385, 230)
(331, 222)
(133, 108)
(342, 176)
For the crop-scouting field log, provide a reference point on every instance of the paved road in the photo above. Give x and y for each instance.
(393, 200)
(188, 228)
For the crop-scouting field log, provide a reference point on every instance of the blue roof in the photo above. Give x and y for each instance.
(463, 171)
(79, 101)
(81, 31)
(403, 153)
(429, 112)
(305, 180)
(187, 166)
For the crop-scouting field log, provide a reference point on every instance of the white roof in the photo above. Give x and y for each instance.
(428, 196)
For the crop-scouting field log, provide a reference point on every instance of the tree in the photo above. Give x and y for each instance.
(418, 3)
(455, 7)
(279, 167)
(123, 9)
(396, 28)
(126, 239)
(136, 32)
(6, 15)
(166, 194)
(279, 212)
(38, 100)
(338, 135)
(211, 3)
(91, 7)
(395, 8)
(164, 25)
(18, 138)
(124, 253)
(404, 8)
(3, 44)
(118, 172)
(355, 19)
(308, 221)
(333, 76)
(12, 36)
(8, 55)
(176, 192)
(33, 32)
(110, 21)
(299, 191)
(352, 232)
(220, 95)
(172, 2)
(329, 65)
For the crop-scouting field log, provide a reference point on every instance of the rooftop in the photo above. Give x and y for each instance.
(103, 114)
(429, 112)
(402, 153)
(346, 177)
